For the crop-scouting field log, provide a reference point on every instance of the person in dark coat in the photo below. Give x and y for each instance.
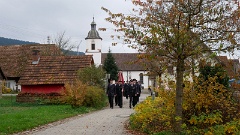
(119, 91)
(135, 96)
(131, 94)
(139, 90)
(111, 92)
(126, 89)
(116, 99)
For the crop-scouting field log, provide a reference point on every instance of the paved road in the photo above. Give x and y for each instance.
(104, 122)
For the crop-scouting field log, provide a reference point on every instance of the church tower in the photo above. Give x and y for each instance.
(94, 44)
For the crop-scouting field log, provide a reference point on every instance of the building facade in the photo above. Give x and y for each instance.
(124, 61)
(94, 44)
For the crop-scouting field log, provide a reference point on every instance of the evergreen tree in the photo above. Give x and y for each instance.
(110, 66)
(211, 71)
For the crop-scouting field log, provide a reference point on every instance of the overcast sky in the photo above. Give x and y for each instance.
(34, 20)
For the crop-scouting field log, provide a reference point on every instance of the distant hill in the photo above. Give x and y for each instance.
(74, 53)
(9, 41)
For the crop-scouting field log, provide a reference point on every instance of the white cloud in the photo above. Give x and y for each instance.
(34, 20)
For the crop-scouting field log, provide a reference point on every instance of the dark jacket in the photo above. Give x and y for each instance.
(119, 88)
(139, 89)
(132, 91)
(111, 90)
(126, 89)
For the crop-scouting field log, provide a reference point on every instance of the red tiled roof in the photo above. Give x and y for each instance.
(2, 76)
(54, 69)
(227, 65)
(126, 61)
(13, 58)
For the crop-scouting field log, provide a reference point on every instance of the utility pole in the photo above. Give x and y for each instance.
(48, 39)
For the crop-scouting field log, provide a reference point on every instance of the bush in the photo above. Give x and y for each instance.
(95, 97)
(154, 115)
(207, 109)
(208, 106)
(39, 98)
(6, 90)
(74, 94)
(79, 94)
(92, 76)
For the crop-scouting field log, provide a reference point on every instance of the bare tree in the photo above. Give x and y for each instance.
(64, 43)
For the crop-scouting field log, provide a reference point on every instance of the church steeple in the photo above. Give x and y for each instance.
(94, 44)
(93, 33)
(93, 25)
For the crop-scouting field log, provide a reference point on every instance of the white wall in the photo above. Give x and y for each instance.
(96, 57)
(97, 52)
(166, 77)
(98, 45)
(128, 75)
(12, 84)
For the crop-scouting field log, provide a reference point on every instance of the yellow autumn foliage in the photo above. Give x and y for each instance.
(154, 115)
(74, 93)
(208, 108)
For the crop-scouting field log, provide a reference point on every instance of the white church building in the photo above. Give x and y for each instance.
(123, 60)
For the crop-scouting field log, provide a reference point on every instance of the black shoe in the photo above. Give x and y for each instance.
(130, 107)
(120, 106)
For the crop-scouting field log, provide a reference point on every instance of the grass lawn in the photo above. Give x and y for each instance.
(17, 117)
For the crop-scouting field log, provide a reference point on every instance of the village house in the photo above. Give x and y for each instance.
(50, 73)
(13, 60)
(231, 66)
(232, 69)
(2, 77)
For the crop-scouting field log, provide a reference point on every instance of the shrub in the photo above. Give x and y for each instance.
(208, 106)
(95, 97)
(39, 98)
(92, 76)
(154, 115)
(74, 94)
(6, 90)
(207, 109)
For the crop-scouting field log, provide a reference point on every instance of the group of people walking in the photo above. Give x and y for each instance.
(130, 90)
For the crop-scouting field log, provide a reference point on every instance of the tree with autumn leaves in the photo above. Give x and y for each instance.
(177, 31)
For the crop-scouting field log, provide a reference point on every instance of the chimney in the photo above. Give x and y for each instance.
(35, 56)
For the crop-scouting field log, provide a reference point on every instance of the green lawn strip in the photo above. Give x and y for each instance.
(17, 117)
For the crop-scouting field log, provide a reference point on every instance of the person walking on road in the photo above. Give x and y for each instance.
(139, 89)
(136, 92)
(116, 98)
(111, 92)
(126, 89)
(119, 91)
(132, 94)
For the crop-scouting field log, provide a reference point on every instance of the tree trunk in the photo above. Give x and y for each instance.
(179, 96)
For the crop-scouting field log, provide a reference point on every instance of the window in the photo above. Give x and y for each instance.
(93, 46)
(141, 78)
(8, 84)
